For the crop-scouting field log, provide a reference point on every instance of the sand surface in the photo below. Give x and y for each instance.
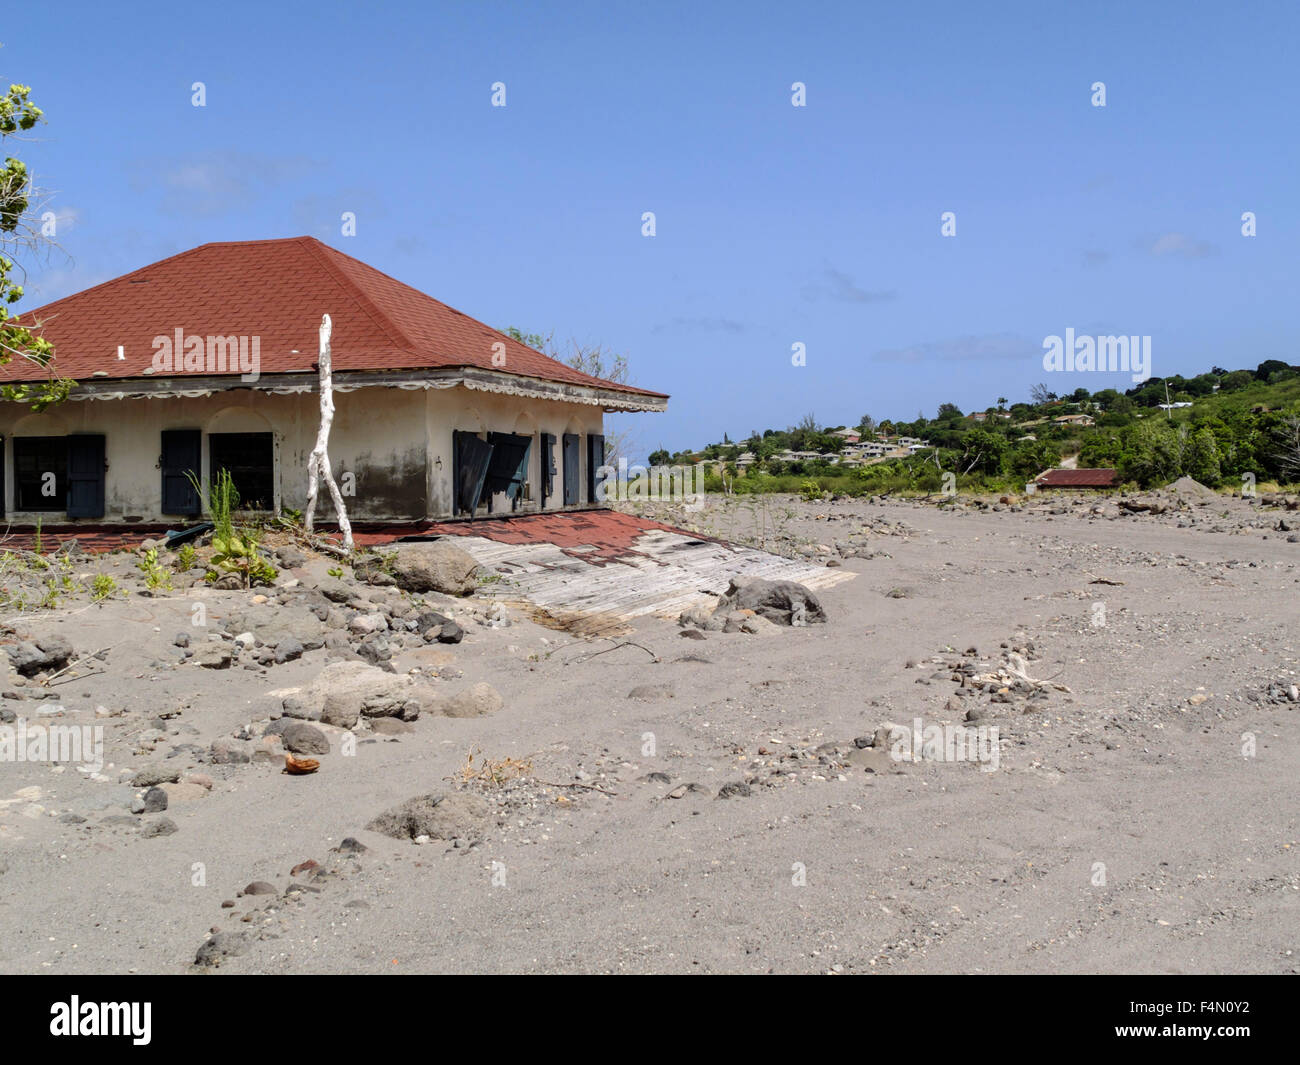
(1144, 819)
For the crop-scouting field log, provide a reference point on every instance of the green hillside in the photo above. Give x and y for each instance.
(1241, 426)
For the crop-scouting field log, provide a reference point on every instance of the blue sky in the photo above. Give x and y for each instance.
(775, 225)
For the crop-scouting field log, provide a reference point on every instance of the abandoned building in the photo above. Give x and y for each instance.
(208, 360)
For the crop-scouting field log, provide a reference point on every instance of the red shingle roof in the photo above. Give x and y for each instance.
(276, 290)
(1079, 478)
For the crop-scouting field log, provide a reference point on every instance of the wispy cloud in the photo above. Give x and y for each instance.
(322, 215)
(699, 325)
(65, 218)
(51, 285)
(838, 286)
(414, 244)
(989, 346)
(218, 182)
(1179, 245)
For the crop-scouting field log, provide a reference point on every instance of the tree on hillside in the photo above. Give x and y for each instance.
(1154, 453)
(1032, 457)
(20, 231)
(1201, 459)
(983, 451)
(1041, 394)
(1288, 448)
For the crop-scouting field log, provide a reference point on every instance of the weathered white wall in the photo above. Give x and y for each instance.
(396, 443)
(480, 412)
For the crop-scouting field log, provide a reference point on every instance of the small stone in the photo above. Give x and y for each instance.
(221, 946)
(651, 692)
(231, 752)
(302, 738)
(164, 826)
(287, 650)
(214, 658)
(186, 791)
(151, 775)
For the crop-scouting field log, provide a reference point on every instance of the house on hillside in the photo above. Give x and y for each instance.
(1061, 478)
(1074, 419)
(208, 360)
(849, 436)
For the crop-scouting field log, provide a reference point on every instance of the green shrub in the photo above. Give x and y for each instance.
(155, 576)
(102, 587)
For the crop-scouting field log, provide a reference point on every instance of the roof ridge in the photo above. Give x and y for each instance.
(318, 248)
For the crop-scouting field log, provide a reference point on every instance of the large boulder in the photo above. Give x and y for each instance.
(435, 566)
(44, 655)
(302, 738)
(782, 602)
(273, 625)
(345, 692)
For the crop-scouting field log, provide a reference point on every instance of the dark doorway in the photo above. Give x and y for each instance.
(470, 459)
(250, 459)
(86, 476)
(547, 466)
(40, 473)
(595, 460)
(571, 457)
(180, 457)
(508, 469)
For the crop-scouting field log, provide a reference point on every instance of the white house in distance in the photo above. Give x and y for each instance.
(207, 360)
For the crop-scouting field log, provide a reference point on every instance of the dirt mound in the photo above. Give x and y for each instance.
(1190, 488)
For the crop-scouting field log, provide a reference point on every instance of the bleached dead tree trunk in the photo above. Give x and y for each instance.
(318, 465)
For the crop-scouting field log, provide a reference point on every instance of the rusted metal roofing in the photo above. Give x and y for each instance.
(277, 290)
(1101, 478)
(593, 572)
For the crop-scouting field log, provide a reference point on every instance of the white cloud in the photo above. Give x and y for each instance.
(965, 349)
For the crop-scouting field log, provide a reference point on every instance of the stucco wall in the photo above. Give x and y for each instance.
(395, 444)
